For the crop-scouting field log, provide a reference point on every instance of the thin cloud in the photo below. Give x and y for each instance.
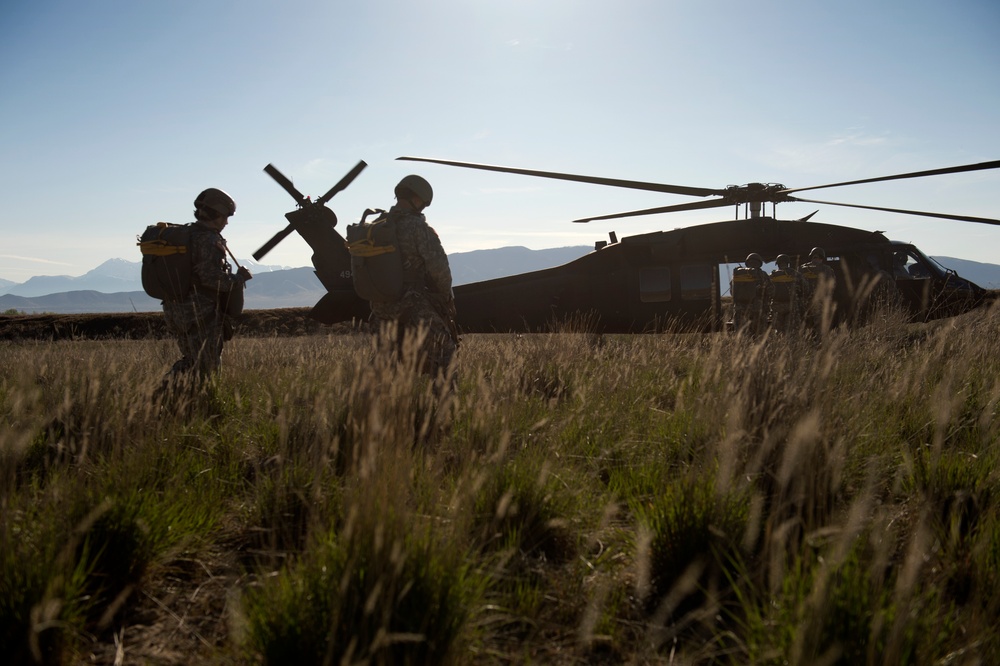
(36, 260)
(319, 165)
(856, 139)
(845, 152)
(510, 190)
(539, 44)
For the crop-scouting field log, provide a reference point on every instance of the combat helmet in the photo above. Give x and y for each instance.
(213, 202)
(417, 186)
(754, 260)
(783, 261)
(817, 252)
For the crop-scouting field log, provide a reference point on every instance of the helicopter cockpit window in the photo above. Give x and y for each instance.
(908, 265)
(654, 285)
(696, 283)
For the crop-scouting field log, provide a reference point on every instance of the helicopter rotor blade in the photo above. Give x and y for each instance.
(697, 205)
(594, 180)
(915, 174)
(943, 216)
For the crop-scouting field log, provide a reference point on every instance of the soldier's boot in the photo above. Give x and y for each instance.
(176, 393)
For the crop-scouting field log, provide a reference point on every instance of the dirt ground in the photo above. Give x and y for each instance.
(142, 325)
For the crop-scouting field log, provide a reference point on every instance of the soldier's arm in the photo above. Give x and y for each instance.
(435, 261)
(208, 263)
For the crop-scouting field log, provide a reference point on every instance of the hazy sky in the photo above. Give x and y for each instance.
(114, 114)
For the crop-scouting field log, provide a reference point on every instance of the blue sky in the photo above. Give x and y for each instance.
(115, 114)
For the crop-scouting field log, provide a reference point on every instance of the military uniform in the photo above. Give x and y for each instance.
(751, 290)
(788, 297)
(198, 321)
(820, 280)
(427, 297)
(885, 295)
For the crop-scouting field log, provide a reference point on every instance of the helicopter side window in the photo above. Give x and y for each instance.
(696, 283)
(916, 267)
(654, 285)
(908, 266)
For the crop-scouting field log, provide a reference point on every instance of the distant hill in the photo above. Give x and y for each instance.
(120, 275)
(80, 302)
(113, 276)
(296, 287)
(115, 285)
(985, 275)
(479, 265)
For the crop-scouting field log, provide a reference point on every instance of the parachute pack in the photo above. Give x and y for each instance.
(786, 290)
(376, 264)
(744, 287)
(166, 260)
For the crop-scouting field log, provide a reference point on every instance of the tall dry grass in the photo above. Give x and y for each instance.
(675, 498)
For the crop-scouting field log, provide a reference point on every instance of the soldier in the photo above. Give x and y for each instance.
(899, 265)
(199, 320)
(821, 281)
(751, 291)
(884, 296)
(427, 299)
(789, 290)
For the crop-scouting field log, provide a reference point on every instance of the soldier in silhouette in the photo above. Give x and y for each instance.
(821, 280)
(788, 295)
(751, 289)
(427, 303)
(199, 319)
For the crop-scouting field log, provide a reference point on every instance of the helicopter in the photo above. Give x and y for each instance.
(663, 280)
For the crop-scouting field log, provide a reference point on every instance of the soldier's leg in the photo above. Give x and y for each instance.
(181, 380)
(210, 342)
(440, 349)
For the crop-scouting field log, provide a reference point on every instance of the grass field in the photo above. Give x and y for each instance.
(581, 499)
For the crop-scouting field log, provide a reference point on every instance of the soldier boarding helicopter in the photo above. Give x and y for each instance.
(662, 280)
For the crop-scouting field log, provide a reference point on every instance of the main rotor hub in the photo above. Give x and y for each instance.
(755, 193)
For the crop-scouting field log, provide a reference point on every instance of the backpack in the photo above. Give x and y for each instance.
(785, 290)
(744, 285)
(166, 260)
(376, 264)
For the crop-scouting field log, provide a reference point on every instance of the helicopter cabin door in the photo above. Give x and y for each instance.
(701, 296)
(913, 280)
(679, 294)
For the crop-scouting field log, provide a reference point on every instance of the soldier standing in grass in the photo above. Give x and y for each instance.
(821, 281)
(884, 297)
(750, 288)
(201, 320)
(789, 290)
(427, 302)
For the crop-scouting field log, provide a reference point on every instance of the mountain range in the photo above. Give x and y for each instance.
(116, 285)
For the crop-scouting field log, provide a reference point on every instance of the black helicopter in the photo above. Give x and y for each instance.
(663, 280)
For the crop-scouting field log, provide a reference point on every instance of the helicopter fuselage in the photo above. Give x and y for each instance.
(665, 279)
(674, 279)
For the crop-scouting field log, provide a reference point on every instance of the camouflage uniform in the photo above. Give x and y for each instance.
(820, 281)
(198, 320)
(790, 290)
(427, 297)
(885, 296)
(751, 290)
